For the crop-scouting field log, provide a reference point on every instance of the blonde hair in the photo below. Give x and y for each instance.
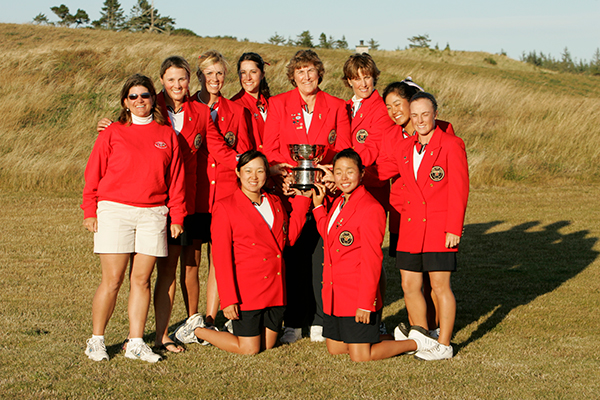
(209, 58)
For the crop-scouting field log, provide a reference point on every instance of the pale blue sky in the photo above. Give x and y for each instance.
(474, 25)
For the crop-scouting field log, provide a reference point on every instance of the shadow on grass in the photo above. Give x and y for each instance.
(500, 271)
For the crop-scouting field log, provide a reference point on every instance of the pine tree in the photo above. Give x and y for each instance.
(305, 40)
(111, 16)
(276, 39)
(341, 43)
(144, 17)
(373, 44)
(41, 19)
(62, 12)
(80, 17)
(324, 43)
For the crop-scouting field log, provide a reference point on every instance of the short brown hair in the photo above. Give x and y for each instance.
(358, 62)
(176, 62)
(139, 80)
(304, 58)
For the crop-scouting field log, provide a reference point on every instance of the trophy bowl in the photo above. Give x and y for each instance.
(307, 156)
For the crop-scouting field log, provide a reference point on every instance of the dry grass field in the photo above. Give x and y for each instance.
(528, 289)
(519, 124)
(528, 285)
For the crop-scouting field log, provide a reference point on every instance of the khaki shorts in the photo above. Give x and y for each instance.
(129, 229)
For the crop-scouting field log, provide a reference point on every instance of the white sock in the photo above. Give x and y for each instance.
(136, 340)
(98, 337)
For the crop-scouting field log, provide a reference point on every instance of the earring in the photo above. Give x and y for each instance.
(128, 110)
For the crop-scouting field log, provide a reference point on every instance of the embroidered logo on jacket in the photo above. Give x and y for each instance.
(198, 141)
(346, 238)
(332, 136)
(160, 145)
(230, 138)
(437, 173)
(361, 136)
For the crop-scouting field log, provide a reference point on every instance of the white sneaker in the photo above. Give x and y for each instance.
(439, 352)
(96, 350)
(228, 326)
(211, 327)
(141, 351)
(290, 335)
(185, 332)
(435, 333)
(424, 342)
(316, 333)
(401, 332)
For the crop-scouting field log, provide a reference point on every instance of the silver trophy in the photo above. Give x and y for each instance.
(307, 156)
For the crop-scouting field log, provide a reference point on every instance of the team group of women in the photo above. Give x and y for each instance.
(179, 170)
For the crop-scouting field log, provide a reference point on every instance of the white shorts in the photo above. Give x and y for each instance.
(129, 229)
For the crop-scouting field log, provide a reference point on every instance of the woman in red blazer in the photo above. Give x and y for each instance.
(304, 115)
(435, 185)
(250, 230)
(352, 233)
(369, 123)
(226, 138)
(254, 95)
(397, 97)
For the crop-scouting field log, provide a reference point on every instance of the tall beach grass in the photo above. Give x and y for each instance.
(520, 124)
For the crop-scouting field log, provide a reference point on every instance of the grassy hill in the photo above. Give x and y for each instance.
(520, 124)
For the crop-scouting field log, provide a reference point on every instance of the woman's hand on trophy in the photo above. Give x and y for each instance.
(305, 193)
(286, 186)
(318, 194)
(327, 178)
(280, 169)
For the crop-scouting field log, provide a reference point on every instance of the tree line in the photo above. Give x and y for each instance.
(565, 63)
(144, 17)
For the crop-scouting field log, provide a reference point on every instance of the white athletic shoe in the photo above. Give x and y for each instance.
(439, 352)
(211, 327)
(424, 341)
(185, 332)
(290, 335)
(96, 350)
(316, 333)
(141, 351)
(401, 332)
(435, 333)
(228, 326)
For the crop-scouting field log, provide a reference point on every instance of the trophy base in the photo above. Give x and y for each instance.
(303, 186)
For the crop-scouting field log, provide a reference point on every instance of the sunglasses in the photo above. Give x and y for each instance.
(134, 96)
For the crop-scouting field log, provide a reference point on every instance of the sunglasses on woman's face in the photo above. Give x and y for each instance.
(134, 96)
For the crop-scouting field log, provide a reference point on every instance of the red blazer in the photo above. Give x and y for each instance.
(370, 124)
(225, 139)
(248, 255)
(285, 125)
(353, 256)
(396, 200)
(194, 134)
(436, 202)
(256, 123)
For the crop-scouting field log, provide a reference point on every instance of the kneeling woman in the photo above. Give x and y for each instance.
(133, 179)
(249, 230)
(352, 234)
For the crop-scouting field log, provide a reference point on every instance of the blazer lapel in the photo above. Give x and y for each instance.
(432, 150)
(319, 117)
(256, 220)
(295, 118)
